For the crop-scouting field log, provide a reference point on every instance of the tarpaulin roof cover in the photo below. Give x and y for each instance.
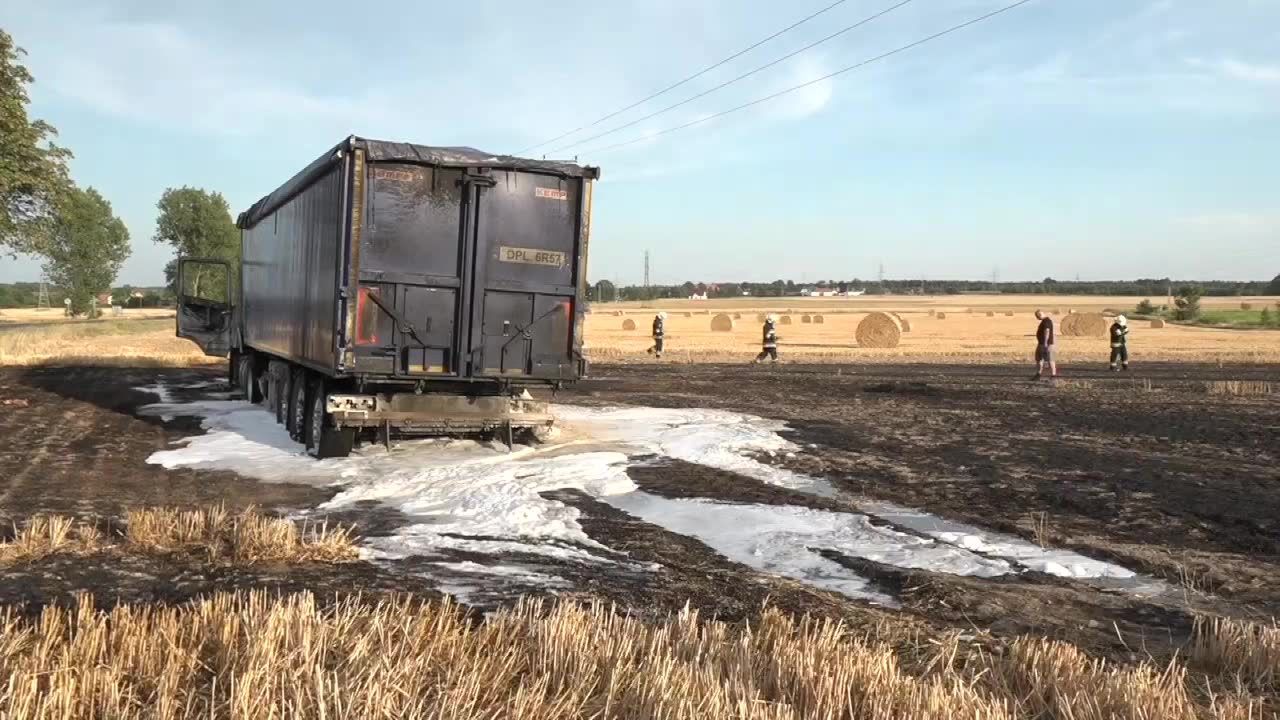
(383, 151)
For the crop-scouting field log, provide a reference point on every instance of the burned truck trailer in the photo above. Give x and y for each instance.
(399, 288)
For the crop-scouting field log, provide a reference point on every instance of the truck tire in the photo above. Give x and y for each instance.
(247, 380)
(280, 392)
(296, 422)
(323, 439)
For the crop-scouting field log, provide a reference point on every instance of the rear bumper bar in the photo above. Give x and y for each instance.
(426, 414)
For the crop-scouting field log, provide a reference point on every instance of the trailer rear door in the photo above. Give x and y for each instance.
(411, 271)
(522, 276)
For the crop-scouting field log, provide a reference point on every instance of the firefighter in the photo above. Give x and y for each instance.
(770, 340)
(1120, 344)
(659, 334)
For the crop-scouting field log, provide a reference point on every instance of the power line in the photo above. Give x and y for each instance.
(694, 76)
(803, 85)
(739, 78)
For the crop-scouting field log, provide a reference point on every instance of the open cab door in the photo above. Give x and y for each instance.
(204, 304)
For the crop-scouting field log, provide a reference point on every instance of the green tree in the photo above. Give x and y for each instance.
(33, 170)
(1273, 288)
(1187, 303)
(1145, 308)
(606, 291)
(85, 247)
(197, 223)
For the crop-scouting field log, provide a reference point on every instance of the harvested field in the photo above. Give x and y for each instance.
(249, 655)
(219, 535)
(930, 540)
(100, 342)
(935, 338)
(32, 316)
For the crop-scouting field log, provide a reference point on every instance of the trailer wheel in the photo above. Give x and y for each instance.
(280, 392)
(323, 439)
(297, 420)
(245, 376)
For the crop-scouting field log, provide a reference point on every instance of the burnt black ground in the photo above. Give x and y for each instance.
(1148, 470)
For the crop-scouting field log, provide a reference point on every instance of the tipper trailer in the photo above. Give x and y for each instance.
(391, 288)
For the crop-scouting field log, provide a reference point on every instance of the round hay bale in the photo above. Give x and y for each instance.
(933, 313)
(737, 316)
(1246, 306)
(817, 320)
(879, 330)
(785, 320)
(688, 314)
(806, 319)
(628, 324)
(1084, 325)
(1157, 323)
(1071, 311)
(940, 316)
(617, 313)
(722, 323)
(991, 313)
(1008, 313)
(905, 323)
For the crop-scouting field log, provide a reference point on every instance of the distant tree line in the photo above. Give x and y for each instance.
(27, 295)
(1154, 287)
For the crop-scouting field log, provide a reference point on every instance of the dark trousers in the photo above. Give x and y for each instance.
(769, 352)
(657, 345)
(1121, 355)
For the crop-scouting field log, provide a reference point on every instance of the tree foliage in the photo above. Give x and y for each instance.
(1273, 288)
(33, 170)
(1187, 302)
(198, 224)
(85, 248)
(606, 291)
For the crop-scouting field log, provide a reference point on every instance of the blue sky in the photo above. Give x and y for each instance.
(1099, 138)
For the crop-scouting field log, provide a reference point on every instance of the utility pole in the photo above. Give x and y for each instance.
(881, 275)
(646, 270)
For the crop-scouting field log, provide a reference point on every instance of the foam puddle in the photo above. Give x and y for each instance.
(471, 497)
(1061, 563)
(786, 540)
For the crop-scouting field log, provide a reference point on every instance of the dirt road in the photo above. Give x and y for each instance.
(1150, 473)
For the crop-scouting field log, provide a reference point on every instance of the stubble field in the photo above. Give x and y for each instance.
(853, 534)
(979, 328)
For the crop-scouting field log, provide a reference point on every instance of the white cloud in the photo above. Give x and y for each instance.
(1251, 72)
(160, 75)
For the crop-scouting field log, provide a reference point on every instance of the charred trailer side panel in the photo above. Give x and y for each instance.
(291, 262)
(385, 269)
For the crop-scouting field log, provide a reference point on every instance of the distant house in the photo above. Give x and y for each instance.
(698, 296)
(104, 299)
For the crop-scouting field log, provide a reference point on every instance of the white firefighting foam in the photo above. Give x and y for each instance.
(461, 495)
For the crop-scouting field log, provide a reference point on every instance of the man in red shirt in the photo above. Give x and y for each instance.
(1045, 339)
